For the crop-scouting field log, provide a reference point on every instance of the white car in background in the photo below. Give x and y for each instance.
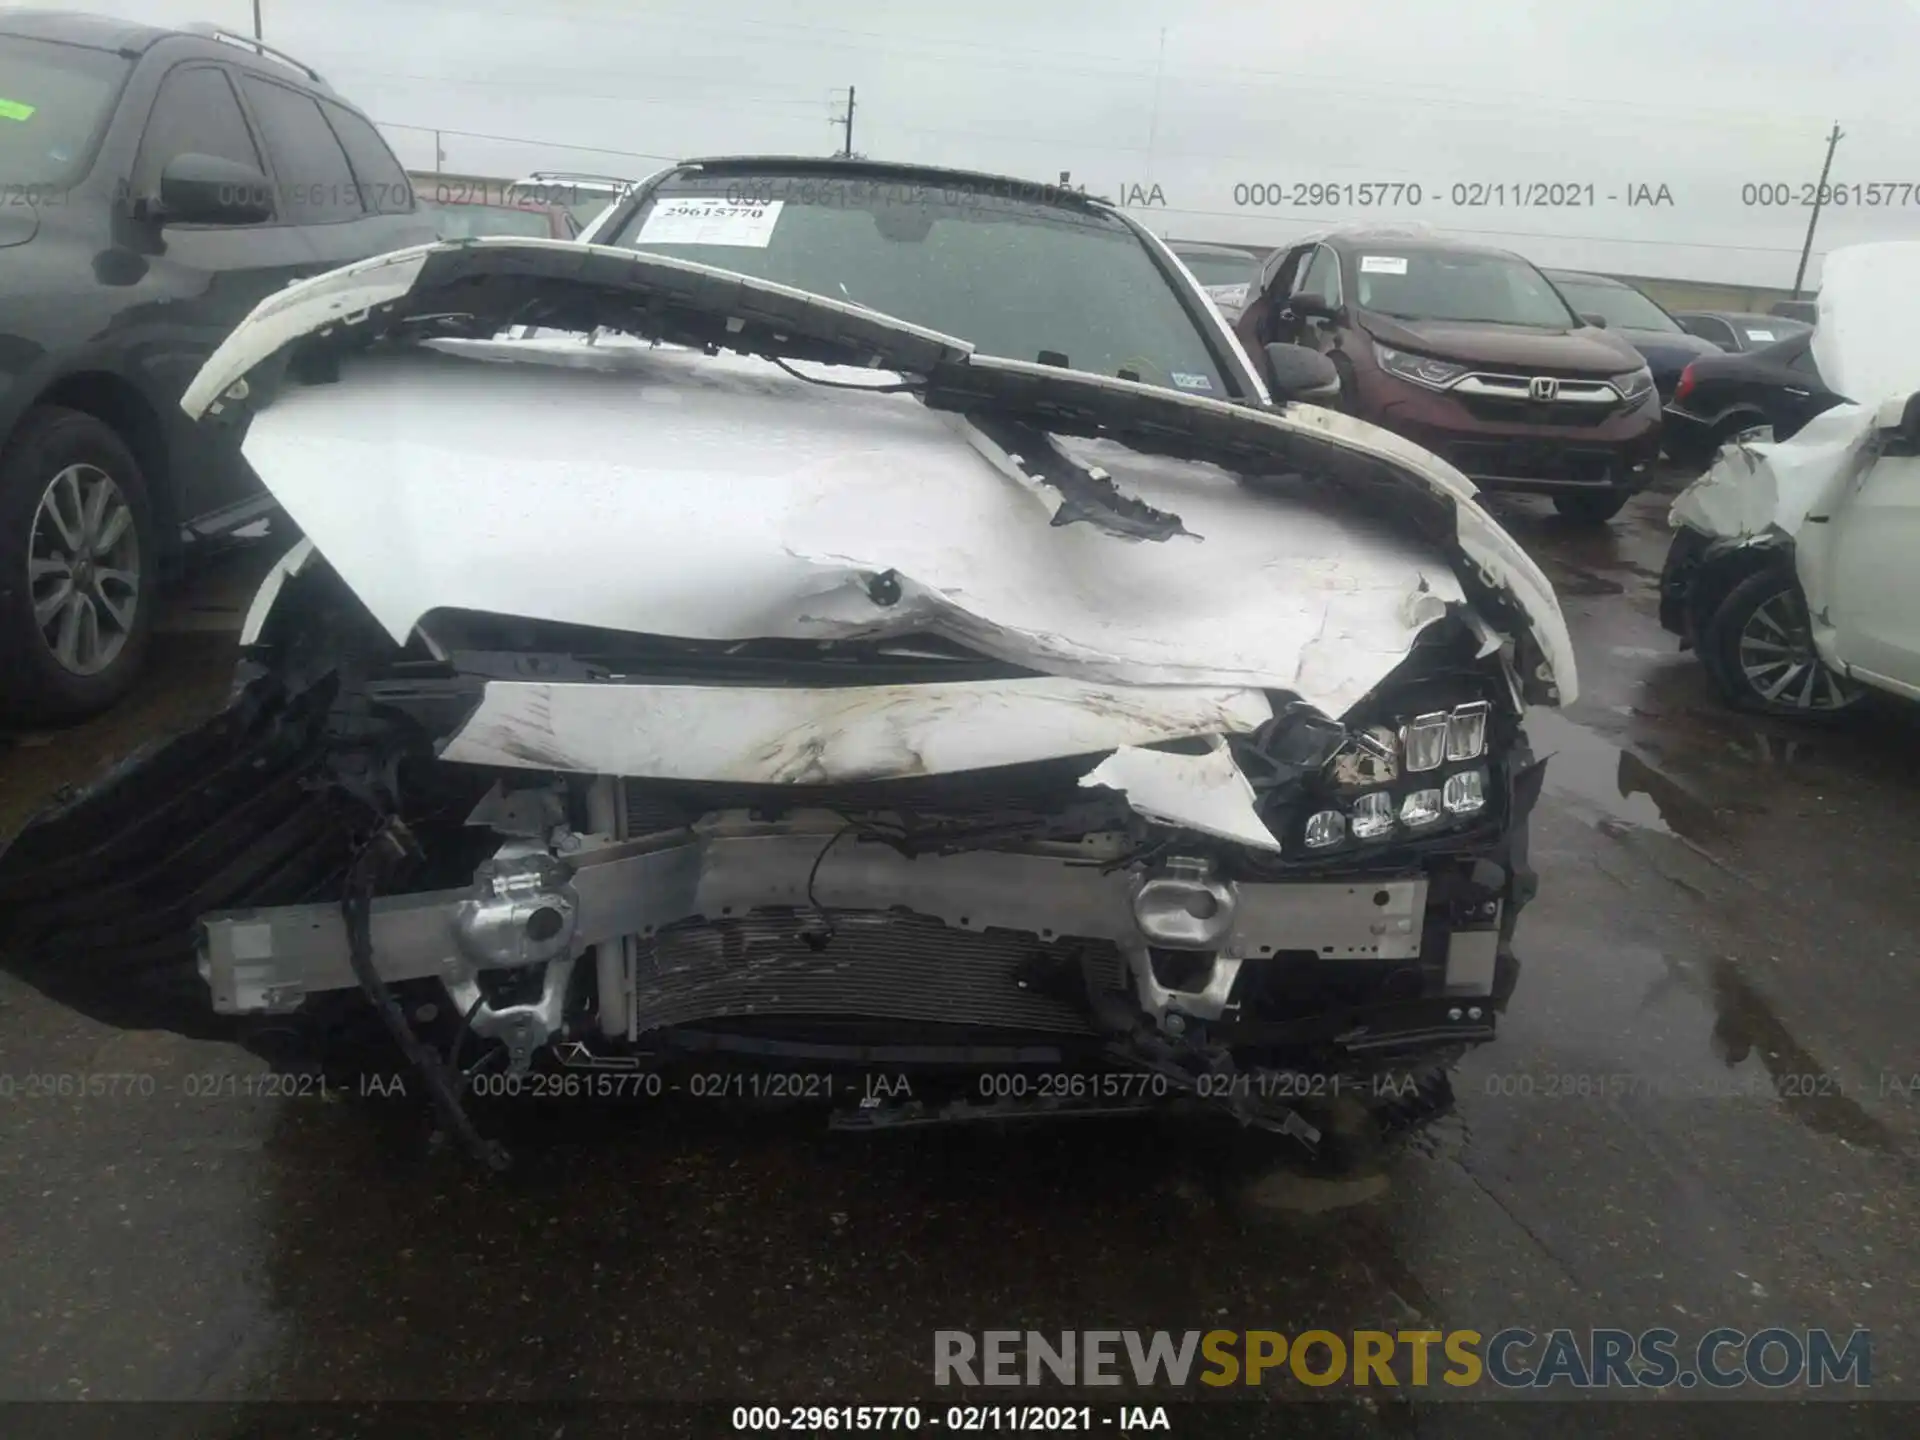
(1795, 571)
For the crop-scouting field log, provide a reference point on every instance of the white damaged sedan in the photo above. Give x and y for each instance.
(904, 636)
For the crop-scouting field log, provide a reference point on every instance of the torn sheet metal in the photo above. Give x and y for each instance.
(483, 286)
(1071, 492)
(429, 480)
(792, 736)
(1206, 792)
(1772, 487)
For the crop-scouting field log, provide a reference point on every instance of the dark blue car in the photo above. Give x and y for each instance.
(1667, 348)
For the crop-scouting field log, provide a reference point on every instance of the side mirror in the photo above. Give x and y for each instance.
(1599, 322)
(1909, 427)
(1297, 373)
(207, 190)
(1313, 307)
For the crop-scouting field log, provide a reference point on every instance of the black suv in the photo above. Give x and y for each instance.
(154, 185)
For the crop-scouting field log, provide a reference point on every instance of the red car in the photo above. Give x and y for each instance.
(1471, 353)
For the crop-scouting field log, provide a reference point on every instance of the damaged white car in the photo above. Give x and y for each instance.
(1793, 567)
(906, 638)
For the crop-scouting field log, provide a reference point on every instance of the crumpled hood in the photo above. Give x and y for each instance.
(1869, 306)
(675, 492)
(1869, 315)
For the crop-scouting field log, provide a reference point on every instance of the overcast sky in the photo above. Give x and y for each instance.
(1197, 97)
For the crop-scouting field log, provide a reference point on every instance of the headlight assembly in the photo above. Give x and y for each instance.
(1423, 775)
(1634, 385)
(1420, 369)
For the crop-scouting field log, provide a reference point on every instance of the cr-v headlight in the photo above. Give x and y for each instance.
(1634, 385)
(1421, 369)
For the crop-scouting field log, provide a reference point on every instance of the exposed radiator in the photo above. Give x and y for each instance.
(873, 965)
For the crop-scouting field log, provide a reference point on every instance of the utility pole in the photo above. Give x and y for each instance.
(846, 122)
(1833, 138)
(256, 19)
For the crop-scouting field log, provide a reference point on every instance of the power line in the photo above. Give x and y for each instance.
(1157, 210)
(1424, 93)
(571, 93)
(1331, 220)
(526, 140)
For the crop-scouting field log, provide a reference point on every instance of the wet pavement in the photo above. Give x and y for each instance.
(1703, 1110)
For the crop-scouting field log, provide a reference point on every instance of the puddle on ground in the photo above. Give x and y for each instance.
(1569, 580)
(1590, 769)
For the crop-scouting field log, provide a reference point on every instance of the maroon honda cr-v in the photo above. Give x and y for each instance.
(1471, 353)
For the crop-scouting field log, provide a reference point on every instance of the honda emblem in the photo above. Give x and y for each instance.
(1542, 387)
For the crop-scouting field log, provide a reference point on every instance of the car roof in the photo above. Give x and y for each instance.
(68, 27)
(133, 39)
(1348, 240)
(1203, 247)
(1747, 317)
(1586, 275)
(892, 170)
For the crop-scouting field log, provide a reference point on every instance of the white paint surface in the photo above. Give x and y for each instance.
(786, 735)
(636, 500)
(1206, 792)
(354, 425)
(1869, 313)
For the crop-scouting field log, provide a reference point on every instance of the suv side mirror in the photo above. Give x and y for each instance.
(1909, 428)
(207, 190)
(1297, 373)
(1599, 322)
(1308, 305)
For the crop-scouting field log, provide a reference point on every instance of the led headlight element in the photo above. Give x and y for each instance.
(1466, 792)
(1467, 731)
(1372, 816)
(1425, 741)
(1421, 807)
(1421, 369)
(1327, 827)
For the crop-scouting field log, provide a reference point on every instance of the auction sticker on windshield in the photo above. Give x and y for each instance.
(711, 220)
(1383, 264)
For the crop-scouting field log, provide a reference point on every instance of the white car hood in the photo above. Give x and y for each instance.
(1863, 346)
(1869, 313)
(714, 496)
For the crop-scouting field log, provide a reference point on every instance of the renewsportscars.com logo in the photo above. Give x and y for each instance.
(1513, 1359)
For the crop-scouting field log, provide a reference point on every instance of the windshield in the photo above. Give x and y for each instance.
(1018, 278)
(463, 222)
(1416, 284)
(55, 101)
(1621, 306)
(1211, 268)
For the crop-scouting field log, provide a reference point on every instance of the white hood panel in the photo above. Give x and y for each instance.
(717, 498)
(1869, 313)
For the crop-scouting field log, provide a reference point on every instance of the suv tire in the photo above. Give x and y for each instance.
(75, 522)
(1591, 507)
(1759, 639)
